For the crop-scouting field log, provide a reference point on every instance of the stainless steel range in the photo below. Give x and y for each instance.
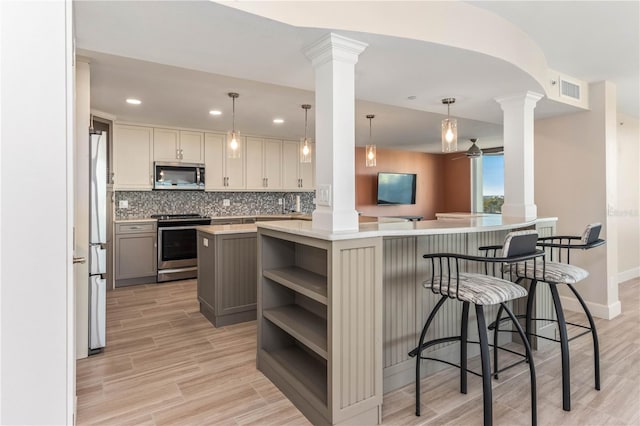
(177, 245)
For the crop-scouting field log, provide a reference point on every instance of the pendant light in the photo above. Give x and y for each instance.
(370, 150)
(449, 129)
(305, 152)
(233, 149)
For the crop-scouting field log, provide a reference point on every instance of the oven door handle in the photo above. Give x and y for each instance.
(165, 228)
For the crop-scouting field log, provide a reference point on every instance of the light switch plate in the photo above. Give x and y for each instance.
(226, 202)
(205, 242)
(123, 204)
(323, 195)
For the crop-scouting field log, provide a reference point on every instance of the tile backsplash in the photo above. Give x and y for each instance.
(142, 204)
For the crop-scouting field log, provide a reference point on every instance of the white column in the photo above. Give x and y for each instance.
(518, 155)
(334, 58)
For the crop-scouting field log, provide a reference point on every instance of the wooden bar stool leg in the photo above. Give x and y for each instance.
(486, 366)
(463, 347)
(594, 334)
(564, 349)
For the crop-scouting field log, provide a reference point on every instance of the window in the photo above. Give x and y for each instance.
(492, 183)
(487, 183)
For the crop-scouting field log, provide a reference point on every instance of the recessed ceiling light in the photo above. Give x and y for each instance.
(215, 112)
(134, 101)
(278, 120)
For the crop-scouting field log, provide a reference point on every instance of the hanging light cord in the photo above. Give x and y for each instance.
(305, 124)
(233, 114)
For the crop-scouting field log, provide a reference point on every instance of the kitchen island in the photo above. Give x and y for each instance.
(338, 313)
(227, 266)
(226, 273)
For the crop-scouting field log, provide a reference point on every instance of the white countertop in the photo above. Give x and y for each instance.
(386, 229)
(144, 219)
(240, 228)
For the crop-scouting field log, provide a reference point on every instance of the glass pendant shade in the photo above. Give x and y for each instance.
(449, 135)
(233, 146)
(370, 149)
(233, 137)
(370, 152)
(305, 143)
(449, 129)
(305, 151)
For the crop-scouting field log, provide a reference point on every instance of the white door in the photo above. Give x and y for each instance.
(191, 148)
(290, 164)
(214, 161)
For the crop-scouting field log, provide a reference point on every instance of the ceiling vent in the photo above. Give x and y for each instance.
(569, 89)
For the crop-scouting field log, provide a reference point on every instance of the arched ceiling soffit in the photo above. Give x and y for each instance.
(447, 23)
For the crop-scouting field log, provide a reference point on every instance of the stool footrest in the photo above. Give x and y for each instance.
(434, 342)
(453, 365)
(512, 365)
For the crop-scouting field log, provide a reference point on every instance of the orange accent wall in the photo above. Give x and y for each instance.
(457, 183)
(442, 185)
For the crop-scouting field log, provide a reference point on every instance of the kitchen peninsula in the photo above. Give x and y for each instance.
(338, 313)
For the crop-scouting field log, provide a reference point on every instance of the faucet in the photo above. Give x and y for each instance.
(292, 201)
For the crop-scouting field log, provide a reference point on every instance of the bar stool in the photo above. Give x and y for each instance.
(557, 273)
(450, 282)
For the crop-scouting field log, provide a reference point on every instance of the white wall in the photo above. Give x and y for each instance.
(627, 211)
(573, 182)
(36, 293)
(81, 216)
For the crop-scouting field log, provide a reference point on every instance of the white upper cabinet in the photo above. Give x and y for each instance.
(221, 172)
(263, 166)
(297, 176)
(132, 158)
(191, 147)
(180, 146)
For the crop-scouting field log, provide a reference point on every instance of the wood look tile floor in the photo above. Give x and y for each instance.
(165, 364)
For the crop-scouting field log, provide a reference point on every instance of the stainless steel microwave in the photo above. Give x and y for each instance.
(178, 176)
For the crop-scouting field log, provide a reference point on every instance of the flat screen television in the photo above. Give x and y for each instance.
(396, 188)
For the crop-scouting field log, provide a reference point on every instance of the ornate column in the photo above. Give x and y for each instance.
(334, 58)
(518, 155)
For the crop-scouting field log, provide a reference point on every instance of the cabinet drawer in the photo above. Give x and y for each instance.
(135, 228)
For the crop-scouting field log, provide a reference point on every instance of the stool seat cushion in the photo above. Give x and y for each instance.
(559, 273)
(478, 289)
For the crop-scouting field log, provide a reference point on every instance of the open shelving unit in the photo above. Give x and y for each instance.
(293, 318)
(307, 343)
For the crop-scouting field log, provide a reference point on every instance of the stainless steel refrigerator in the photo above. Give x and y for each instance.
(98, 242)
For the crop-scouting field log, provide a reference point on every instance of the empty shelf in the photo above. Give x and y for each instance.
(300, 280)
(304, 326)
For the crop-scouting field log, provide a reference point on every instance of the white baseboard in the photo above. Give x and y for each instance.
(597, 310)
(628, 274)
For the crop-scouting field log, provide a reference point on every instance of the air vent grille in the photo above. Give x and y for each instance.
(570, 90)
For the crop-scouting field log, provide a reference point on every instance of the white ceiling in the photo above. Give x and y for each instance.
(200, 44)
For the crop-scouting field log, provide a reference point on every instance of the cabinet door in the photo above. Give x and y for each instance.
(136, 255)
(272, 165)
(234, 169)
(290, 164)
(255, 161)
(191, 147)
(166, 145)
(132, 158)
(214, 161)
(307, 171)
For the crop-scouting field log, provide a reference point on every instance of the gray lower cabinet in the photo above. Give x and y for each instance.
(227, 277)
(136, 248)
